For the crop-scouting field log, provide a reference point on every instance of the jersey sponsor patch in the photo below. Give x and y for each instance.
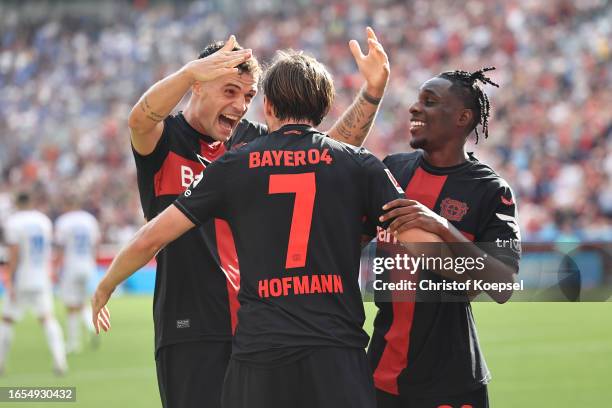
(176, 174)
(453, 210)
(394, 182)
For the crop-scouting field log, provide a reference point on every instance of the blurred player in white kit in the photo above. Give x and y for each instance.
(77, 236)
(28, 235)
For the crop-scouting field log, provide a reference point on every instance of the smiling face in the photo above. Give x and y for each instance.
(438, 116)
(216, 106)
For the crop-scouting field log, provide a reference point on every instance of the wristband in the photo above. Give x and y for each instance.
(369, 98)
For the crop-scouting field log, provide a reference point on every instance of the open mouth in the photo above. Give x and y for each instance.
(416, 125)
(227, 121)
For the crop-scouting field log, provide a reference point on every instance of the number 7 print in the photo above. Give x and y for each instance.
(304, 187)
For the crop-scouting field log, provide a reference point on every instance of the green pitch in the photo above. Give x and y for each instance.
(541, 355)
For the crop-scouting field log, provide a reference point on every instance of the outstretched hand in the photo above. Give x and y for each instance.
(373, 66)
(100, 315)
(222, 62)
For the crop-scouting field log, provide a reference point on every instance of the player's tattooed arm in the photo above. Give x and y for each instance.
(146, 118)
(355, 124)
(147, 109)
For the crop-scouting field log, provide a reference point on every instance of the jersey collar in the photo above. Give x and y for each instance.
(295, 129)
(448, 170)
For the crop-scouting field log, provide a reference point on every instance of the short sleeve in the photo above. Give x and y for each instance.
(501, 230)
(153, 161)
(205, 198)
(381, 188)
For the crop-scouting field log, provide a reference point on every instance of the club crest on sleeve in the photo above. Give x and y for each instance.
(453, 210)
(394, 182)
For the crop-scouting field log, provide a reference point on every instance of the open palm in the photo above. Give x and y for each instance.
(373, 66)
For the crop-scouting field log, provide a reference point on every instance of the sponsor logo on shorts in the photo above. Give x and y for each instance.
(183, 324)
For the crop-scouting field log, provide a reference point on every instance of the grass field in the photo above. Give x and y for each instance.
(541, 355)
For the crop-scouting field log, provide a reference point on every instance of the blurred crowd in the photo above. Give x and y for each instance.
(69, 77)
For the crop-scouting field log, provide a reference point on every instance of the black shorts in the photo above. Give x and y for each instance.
(191, 374)
(474, 399)
(327, 377)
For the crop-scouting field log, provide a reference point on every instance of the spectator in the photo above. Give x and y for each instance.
(68, 82)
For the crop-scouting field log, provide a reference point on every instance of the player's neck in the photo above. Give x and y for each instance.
(446, 158)
(190, 117)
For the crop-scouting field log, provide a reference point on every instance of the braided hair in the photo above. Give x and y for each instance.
(465, 85)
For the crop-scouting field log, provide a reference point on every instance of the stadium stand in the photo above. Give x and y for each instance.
(69, 75)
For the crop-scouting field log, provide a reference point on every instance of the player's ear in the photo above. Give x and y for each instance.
(268, 108)
(465, 117)
(196, 88)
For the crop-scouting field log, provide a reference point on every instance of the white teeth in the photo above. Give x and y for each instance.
(416, 123)
(232, 117)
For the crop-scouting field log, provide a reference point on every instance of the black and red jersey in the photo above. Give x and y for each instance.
(431, 347)
(295, 201)
(197, 275)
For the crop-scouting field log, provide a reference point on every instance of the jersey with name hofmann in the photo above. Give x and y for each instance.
(295, 201)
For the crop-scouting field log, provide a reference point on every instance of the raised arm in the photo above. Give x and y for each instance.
(146, 118)
(153, 236)
(355, 123)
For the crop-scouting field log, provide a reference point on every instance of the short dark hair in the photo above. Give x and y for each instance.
(466, 88)
(299, 87)
(250, 66)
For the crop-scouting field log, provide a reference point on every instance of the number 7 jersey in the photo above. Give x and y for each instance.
(296, 201)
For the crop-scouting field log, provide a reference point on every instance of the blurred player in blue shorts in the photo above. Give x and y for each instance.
(77, 236)
(28, 234)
